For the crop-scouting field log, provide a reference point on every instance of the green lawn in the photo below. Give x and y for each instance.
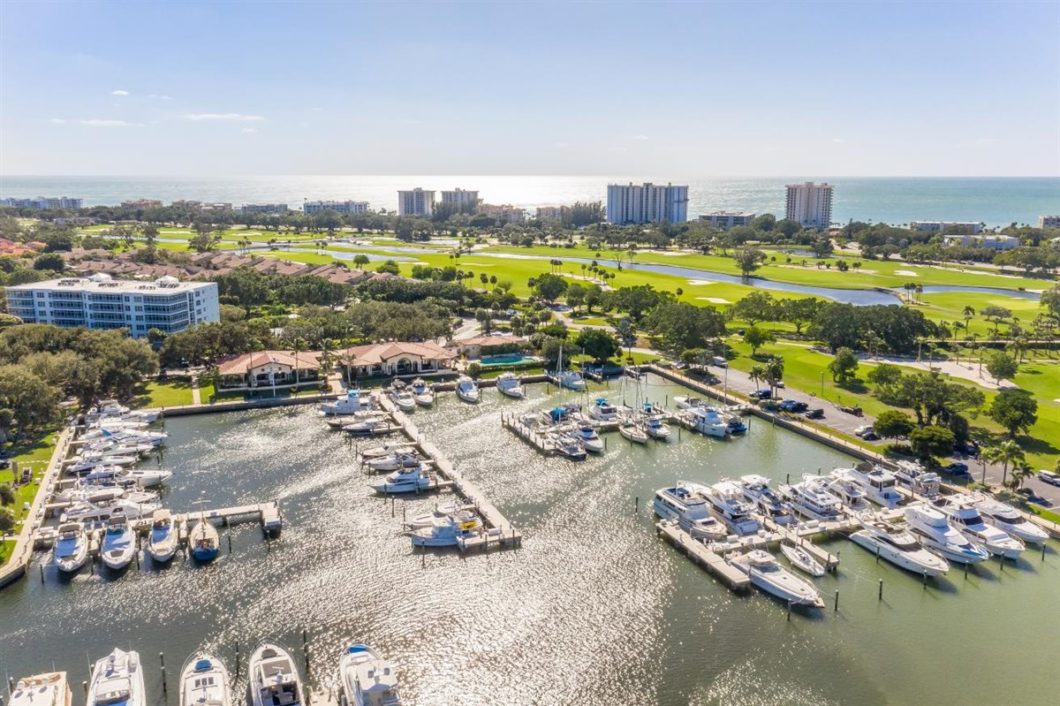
(34, 455)
(1044, 513)
(6, 547)
(174, 392)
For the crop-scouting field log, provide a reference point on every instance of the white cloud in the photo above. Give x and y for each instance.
(119, 92)
(640, 138)
(162, 97)
(102, 122)
(839, 140)
(224, 117)
(249, 130)
(57, 121)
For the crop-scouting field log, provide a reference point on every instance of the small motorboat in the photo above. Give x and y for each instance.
(467, 390)
(510, 385)
(370, 427)
(771, 577)
(387, 450)
(427, 519)
(204, 681)
(655, 428)
(71, 548)
(405, 400)
(118, 547)
(48, 689)
(603, 411)
(683, 402)
(634, 433)
(405, 480)
(204, 541)
(367, 679)
(274, 678)
(422, 393)
(164, 537)
(802, 560)
(590, 439)
(446, 532)
(394, 461)
(569, 446)
(117, 680)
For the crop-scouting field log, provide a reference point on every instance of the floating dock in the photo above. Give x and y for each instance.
(703, 555)
(499, 531)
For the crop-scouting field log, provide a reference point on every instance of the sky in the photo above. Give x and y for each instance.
(577, 88)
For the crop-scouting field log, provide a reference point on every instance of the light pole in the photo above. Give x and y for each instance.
(726, 384)
(822, 384)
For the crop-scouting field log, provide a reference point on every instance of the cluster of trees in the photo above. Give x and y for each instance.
(41, 364)
(248, 288)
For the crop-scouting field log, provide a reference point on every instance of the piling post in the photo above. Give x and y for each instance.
(10, 685)
(789, 611)
(636, 504)
(787, 479)
(165, 689)
(237, 660)
(878, 558)
(965, 571)
(879, 597)
(1043, 551)
(403, 513)
(84, 687)
(924, 583)
(305, 647)
(391, 505)
(41, 566)
(836, 607)
(229, 542)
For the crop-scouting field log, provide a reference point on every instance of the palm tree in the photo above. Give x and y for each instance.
(1021, 471)
(758, 372)
(1005, 453)
(968, 313)
(774, 371)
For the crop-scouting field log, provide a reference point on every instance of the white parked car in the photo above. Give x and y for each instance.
(1049, 477)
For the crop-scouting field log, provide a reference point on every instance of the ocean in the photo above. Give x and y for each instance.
(896, 200)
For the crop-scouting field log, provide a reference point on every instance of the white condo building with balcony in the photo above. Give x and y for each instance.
(416, 202)
(809, 204)
(462, 199)
(100, 302)
(647, 203)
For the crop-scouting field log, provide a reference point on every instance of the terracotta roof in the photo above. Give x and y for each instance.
(243, 364)
(377, 353)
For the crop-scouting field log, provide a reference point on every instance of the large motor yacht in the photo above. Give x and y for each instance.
(367, 679)
(1008, 519)
(962, 513)
(879, 484)
(896, 545)
(810, 498)
(274, 678)
(204, 681)
(49, 689)
(771, 577)
(765, 500)
(117, 680)
(689, 510)
(934, 532)
(726, 497)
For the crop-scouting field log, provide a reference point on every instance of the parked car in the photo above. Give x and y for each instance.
(763, 394)
(856, 411)
(967, 448)
(863, 429)
(719, 361)
(1049, 477)
(779, 384)
(794, 406)
(957, 469)
(815, 414)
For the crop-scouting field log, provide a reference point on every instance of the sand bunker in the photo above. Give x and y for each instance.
(906, 273)
(700, 282)
(714, 300)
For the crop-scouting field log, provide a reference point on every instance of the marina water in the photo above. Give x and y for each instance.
(993, 200)
(593, 609)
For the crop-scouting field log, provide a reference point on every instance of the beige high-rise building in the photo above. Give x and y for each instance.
(810, 204)
(416, 202)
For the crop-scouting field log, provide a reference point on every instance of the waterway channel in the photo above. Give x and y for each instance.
(593, 609)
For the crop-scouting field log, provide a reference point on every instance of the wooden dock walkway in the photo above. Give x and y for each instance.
(499, 531)
(701, 554)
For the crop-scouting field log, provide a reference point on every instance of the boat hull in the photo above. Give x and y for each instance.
(902, 561)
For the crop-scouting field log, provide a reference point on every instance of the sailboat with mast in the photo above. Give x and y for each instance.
(570, 379)
(203, 538)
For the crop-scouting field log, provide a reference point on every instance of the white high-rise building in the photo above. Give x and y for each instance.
(647, 203)
(100, 302)
(1049, 221)
(810, 204)
(728, 219)
(416, 202)
(461, 199)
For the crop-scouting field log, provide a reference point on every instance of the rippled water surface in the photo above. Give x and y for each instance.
(594, 609)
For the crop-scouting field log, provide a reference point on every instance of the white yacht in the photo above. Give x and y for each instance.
(771, 577)
(570, 446)
(81, 466)
(570, 379)
(962, 513)
(422, 393)
(632, 432)
(707, 420)
(367, 679)
(204, 681)
(603, 411)
(810, 499)
(49, 689)
(802, 559)
(128, 436)
(387, 450)
(467, 390)
(118, 546)
(448, 531)
(765, 500)
(689, 510)
(934, 532)
(117, 680)
(918, 479)
(726, 497)
(590, 439)
(129, 477)
(71, 547)
(88, 512)
(164, 537)
(1008, 519)
(878, 483)
(683, 402)
(350, 404)
(84, 492)
(849, 492)
(394, 461)
(274, 678)
(405, 480)
(896, 545)
(510, 385)
(656, 429)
